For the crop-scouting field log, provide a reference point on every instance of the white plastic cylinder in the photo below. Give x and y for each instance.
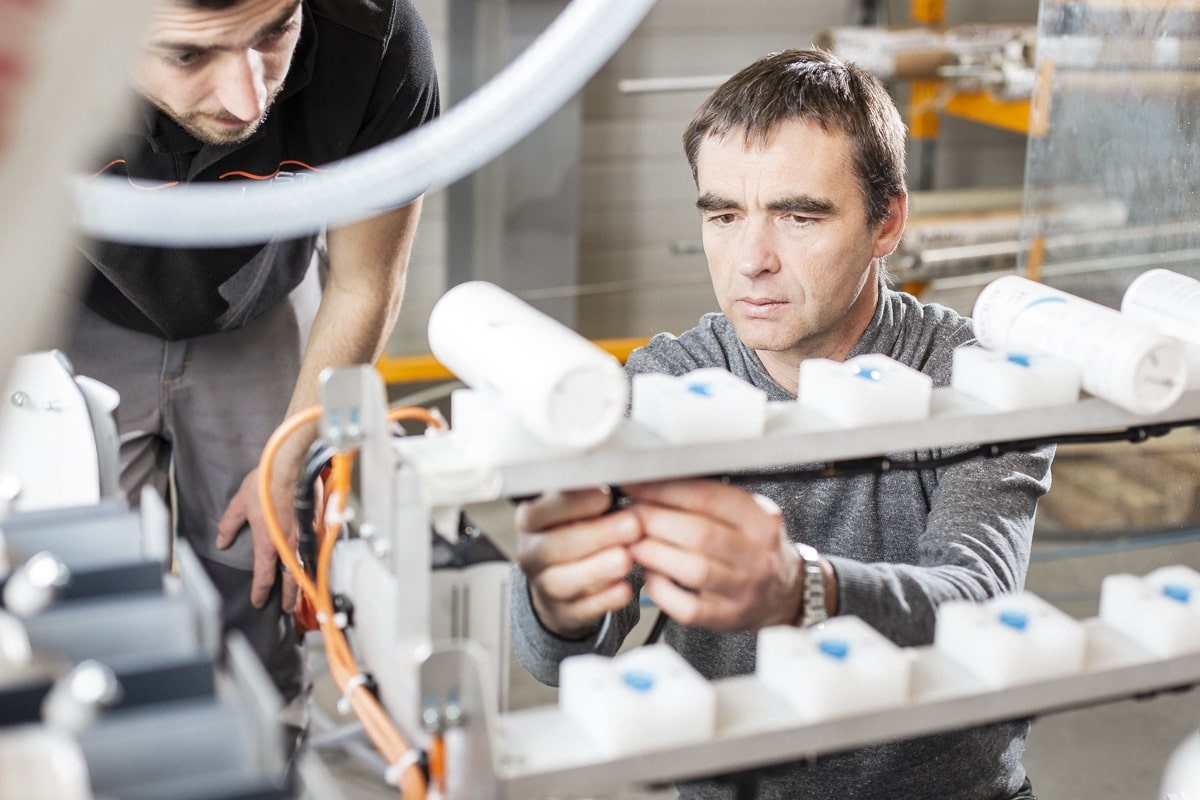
(1119, 360)
(1165, 301)
(564, 389)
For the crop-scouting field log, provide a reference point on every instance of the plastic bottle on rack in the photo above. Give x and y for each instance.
(1119, 359)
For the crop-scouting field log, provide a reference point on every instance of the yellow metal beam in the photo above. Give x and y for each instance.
(923, 110)
(928, 12)
(982, 107)
(424, 368)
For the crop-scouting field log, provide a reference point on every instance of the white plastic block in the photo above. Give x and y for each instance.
(1160, 611)
(645, 699)
(1010, 381)
(1011, 639)
(707, 405)
(839, 668)
(866, 390)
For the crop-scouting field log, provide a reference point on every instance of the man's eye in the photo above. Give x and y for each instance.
(799, 219)
(277, 34)
(186, 59)
(722, 219)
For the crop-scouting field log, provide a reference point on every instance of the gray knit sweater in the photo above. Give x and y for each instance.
(901, 543)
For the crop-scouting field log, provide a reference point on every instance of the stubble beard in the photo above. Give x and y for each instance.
(195, 123)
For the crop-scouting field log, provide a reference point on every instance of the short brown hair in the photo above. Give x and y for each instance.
(816, 86)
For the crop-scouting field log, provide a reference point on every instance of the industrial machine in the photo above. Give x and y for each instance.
(512, 438)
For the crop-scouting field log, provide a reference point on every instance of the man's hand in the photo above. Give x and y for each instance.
(245, 508)
(715, 556)
(576, 557)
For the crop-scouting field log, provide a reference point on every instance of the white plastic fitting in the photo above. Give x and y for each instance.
(1010, 381)
(707, 405)
(1011, 639)
(1160, 610)
(645, 699)
(865, 390)
(839, 668)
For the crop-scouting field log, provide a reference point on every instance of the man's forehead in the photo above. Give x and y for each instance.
(179, 21)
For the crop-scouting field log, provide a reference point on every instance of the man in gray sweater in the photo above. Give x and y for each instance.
(799, 165)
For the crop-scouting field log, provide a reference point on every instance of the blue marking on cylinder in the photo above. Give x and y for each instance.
(1020, 359)
(702, 389)
(1017, 620)
(1177, 592)
(639, 680)
(835, 648)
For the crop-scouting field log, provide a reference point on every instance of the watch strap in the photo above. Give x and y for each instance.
(812, 606)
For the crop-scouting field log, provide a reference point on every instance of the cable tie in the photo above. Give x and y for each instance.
(343, 704)
(411, 758)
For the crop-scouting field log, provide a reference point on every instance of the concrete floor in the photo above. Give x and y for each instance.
(1114, 751)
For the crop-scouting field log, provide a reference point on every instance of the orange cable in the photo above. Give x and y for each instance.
(266, 462)
(415, 412)
(376, 722)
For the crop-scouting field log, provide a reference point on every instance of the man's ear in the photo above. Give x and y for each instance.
(892, 227)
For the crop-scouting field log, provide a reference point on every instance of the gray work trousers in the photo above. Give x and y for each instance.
(207, 406)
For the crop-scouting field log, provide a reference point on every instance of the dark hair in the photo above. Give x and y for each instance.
(816, 86)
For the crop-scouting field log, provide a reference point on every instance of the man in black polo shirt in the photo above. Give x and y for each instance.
(212, 348)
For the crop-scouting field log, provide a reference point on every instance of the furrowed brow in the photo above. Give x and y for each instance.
(802, 204)
(714, 202)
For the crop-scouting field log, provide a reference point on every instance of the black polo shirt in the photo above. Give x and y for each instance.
(362, 74)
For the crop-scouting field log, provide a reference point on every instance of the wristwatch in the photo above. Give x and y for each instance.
(812, 609)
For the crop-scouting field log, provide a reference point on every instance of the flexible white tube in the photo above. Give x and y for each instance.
(495, 117)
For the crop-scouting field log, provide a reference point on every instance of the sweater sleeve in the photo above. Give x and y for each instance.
(975, 545)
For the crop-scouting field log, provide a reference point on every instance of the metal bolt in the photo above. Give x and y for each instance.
(19, 399)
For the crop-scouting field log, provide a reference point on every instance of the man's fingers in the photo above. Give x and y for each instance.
(693, 569)
(732, 505)
(264, 577)
(290, 592)
(231, 522)
(580, 616)
(575, 579)
(685, 607)
(553, 509)
(575, 541)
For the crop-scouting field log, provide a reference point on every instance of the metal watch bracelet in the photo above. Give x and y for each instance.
(812, 608)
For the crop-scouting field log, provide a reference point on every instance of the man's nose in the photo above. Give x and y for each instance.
(757, 251)
(241, 88)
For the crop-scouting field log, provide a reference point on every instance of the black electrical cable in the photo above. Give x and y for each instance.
(882, 464)
(656, 631)
(320, 456)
